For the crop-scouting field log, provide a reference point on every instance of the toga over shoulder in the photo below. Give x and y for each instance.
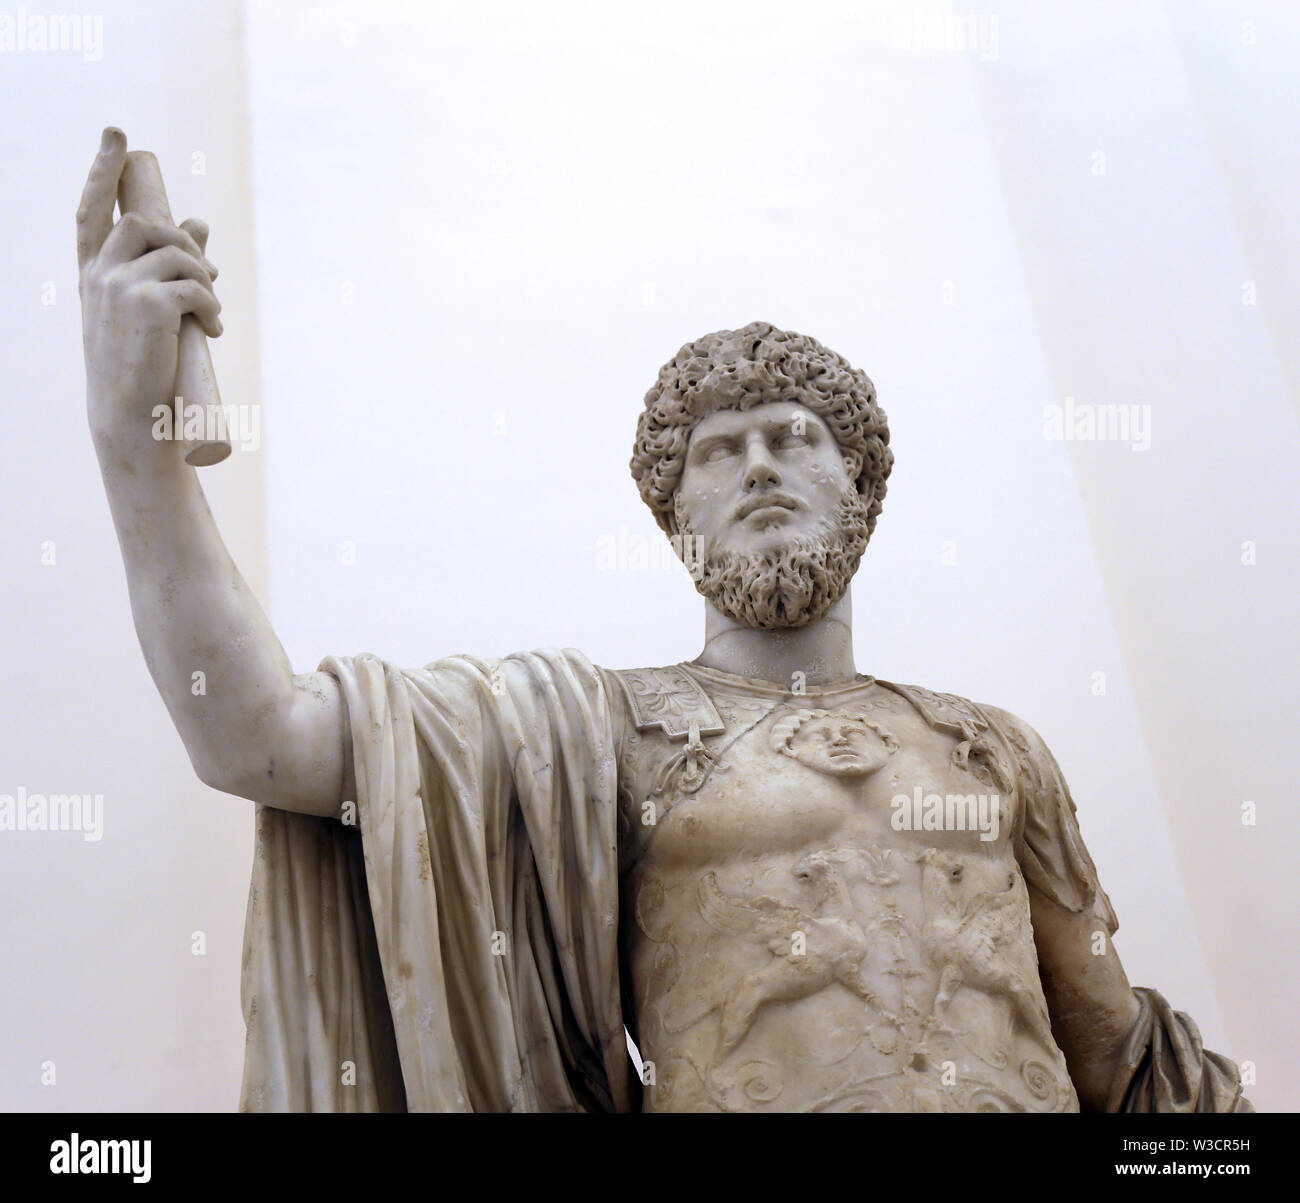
(451, 942)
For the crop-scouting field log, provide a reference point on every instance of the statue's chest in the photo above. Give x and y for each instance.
(755, 776)
(822, 908)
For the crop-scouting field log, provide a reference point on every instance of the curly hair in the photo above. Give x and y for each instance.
(782, 735)
(739, 369)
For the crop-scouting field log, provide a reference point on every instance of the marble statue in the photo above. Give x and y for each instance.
(797, 887)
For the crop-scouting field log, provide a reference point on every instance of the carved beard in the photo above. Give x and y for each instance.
(791, 586)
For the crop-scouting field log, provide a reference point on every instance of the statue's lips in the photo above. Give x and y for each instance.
(770, 511)
(764, 505)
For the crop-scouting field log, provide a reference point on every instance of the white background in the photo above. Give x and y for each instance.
(458, 240)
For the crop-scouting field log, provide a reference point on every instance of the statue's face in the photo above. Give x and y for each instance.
(771, 521)
(843, 747)
(756, 480)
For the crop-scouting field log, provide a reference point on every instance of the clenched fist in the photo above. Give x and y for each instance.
(138, 278)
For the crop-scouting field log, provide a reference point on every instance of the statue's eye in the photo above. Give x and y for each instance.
(719, 451)
(787, 441)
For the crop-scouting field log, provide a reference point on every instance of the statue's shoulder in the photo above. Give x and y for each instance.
(667, 697)
(948, 712)
(980, 728)
(962, 715)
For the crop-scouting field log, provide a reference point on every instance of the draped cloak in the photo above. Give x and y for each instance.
(452, 943)
(456, 949)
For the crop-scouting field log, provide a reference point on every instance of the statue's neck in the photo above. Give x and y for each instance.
(822, 651)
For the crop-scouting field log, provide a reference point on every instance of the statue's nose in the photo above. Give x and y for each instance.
(760, 470)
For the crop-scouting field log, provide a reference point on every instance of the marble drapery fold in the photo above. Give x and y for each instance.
(457, 950)
(1165, 1068)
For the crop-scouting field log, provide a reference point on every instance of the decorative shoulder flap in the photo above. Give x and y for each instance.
(943, 711)
(669, 698)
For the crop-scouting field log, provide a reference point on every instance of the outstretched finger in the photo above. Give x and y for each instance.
(95, 213)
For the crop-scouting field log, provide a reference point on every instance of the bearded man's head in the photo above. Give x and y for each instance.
(775, 545)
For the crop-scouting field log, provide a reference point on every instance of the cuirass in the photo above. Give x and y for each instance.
(822, 907)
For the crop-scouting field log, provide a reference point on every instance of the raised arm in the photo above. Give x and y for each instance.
(250, 726)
